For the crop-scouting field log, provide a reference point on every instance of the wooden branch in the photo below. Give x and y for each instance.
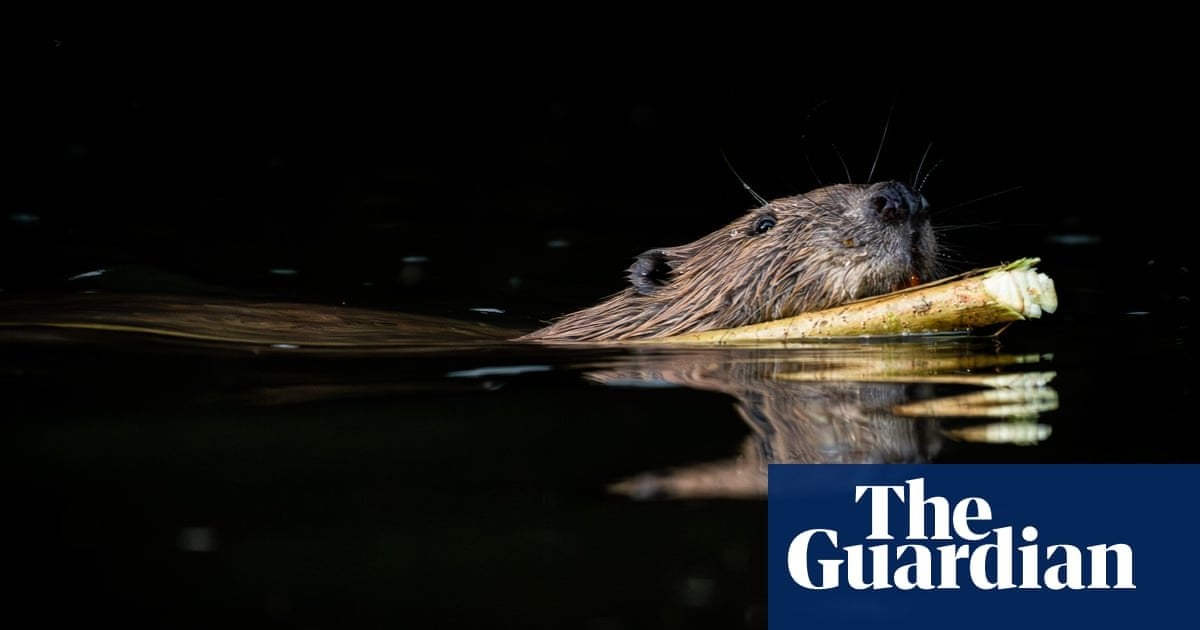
(982, 297)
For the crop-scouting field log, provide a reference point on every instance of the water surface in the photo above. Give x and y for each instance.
(185, 481)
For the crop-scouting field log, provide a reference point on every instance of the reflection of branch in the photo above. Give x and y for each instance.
(878, 365)
(1011, 381)
(1022, 433)
(841, 403)
(991, 403)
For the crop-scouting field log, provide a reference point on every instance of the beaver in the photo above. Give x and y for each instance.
(801, 253)
(792, 255)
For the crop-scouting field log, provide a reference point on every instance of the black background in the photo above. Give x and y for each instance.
(336, 149)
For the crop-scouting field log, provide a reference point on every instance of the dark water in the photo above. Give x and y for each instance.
(185, 483)
(190, 483)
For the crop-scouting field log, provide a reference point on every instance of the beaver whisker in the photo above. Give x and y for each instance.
(942, 229)
(849, 178)
(882, 139)
(983, 198)
(757, 197)
(918, 182)
(812, 169)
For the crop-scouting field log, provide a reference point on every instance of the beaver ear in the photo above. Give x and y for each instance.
(652, 269)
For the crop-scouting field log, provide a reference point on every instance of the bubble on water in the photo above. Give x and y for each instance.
(89, 274)
(498, 370)
(1075, 240)
(696, 591)
(197, 539)
(412, 273)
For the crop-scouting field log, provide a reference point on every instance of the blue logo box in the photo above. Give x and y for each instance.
(982, 546)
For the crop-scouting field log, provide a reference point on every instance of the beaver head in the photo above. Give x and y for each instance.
(803, 253)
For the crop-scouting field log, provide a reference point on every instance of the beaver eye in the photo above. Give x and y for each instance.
(764, 223)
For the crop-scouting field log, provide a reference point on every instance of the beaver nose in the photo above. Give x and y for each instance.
(896, 203)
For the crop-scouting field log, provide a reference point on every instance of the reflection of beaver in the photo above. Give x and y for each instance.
(803, 253)
(800, 423)
(868, 403)
(831, 419)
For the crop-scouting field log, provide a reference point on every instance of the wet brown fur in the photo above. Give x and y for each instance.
(830, 246)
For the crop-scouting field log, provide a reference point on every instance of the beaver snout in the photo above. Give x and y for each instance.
(894, 203)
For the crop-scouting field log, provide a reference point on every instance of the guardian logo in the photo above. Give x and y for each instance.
(918, 564)
(1007, 546)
